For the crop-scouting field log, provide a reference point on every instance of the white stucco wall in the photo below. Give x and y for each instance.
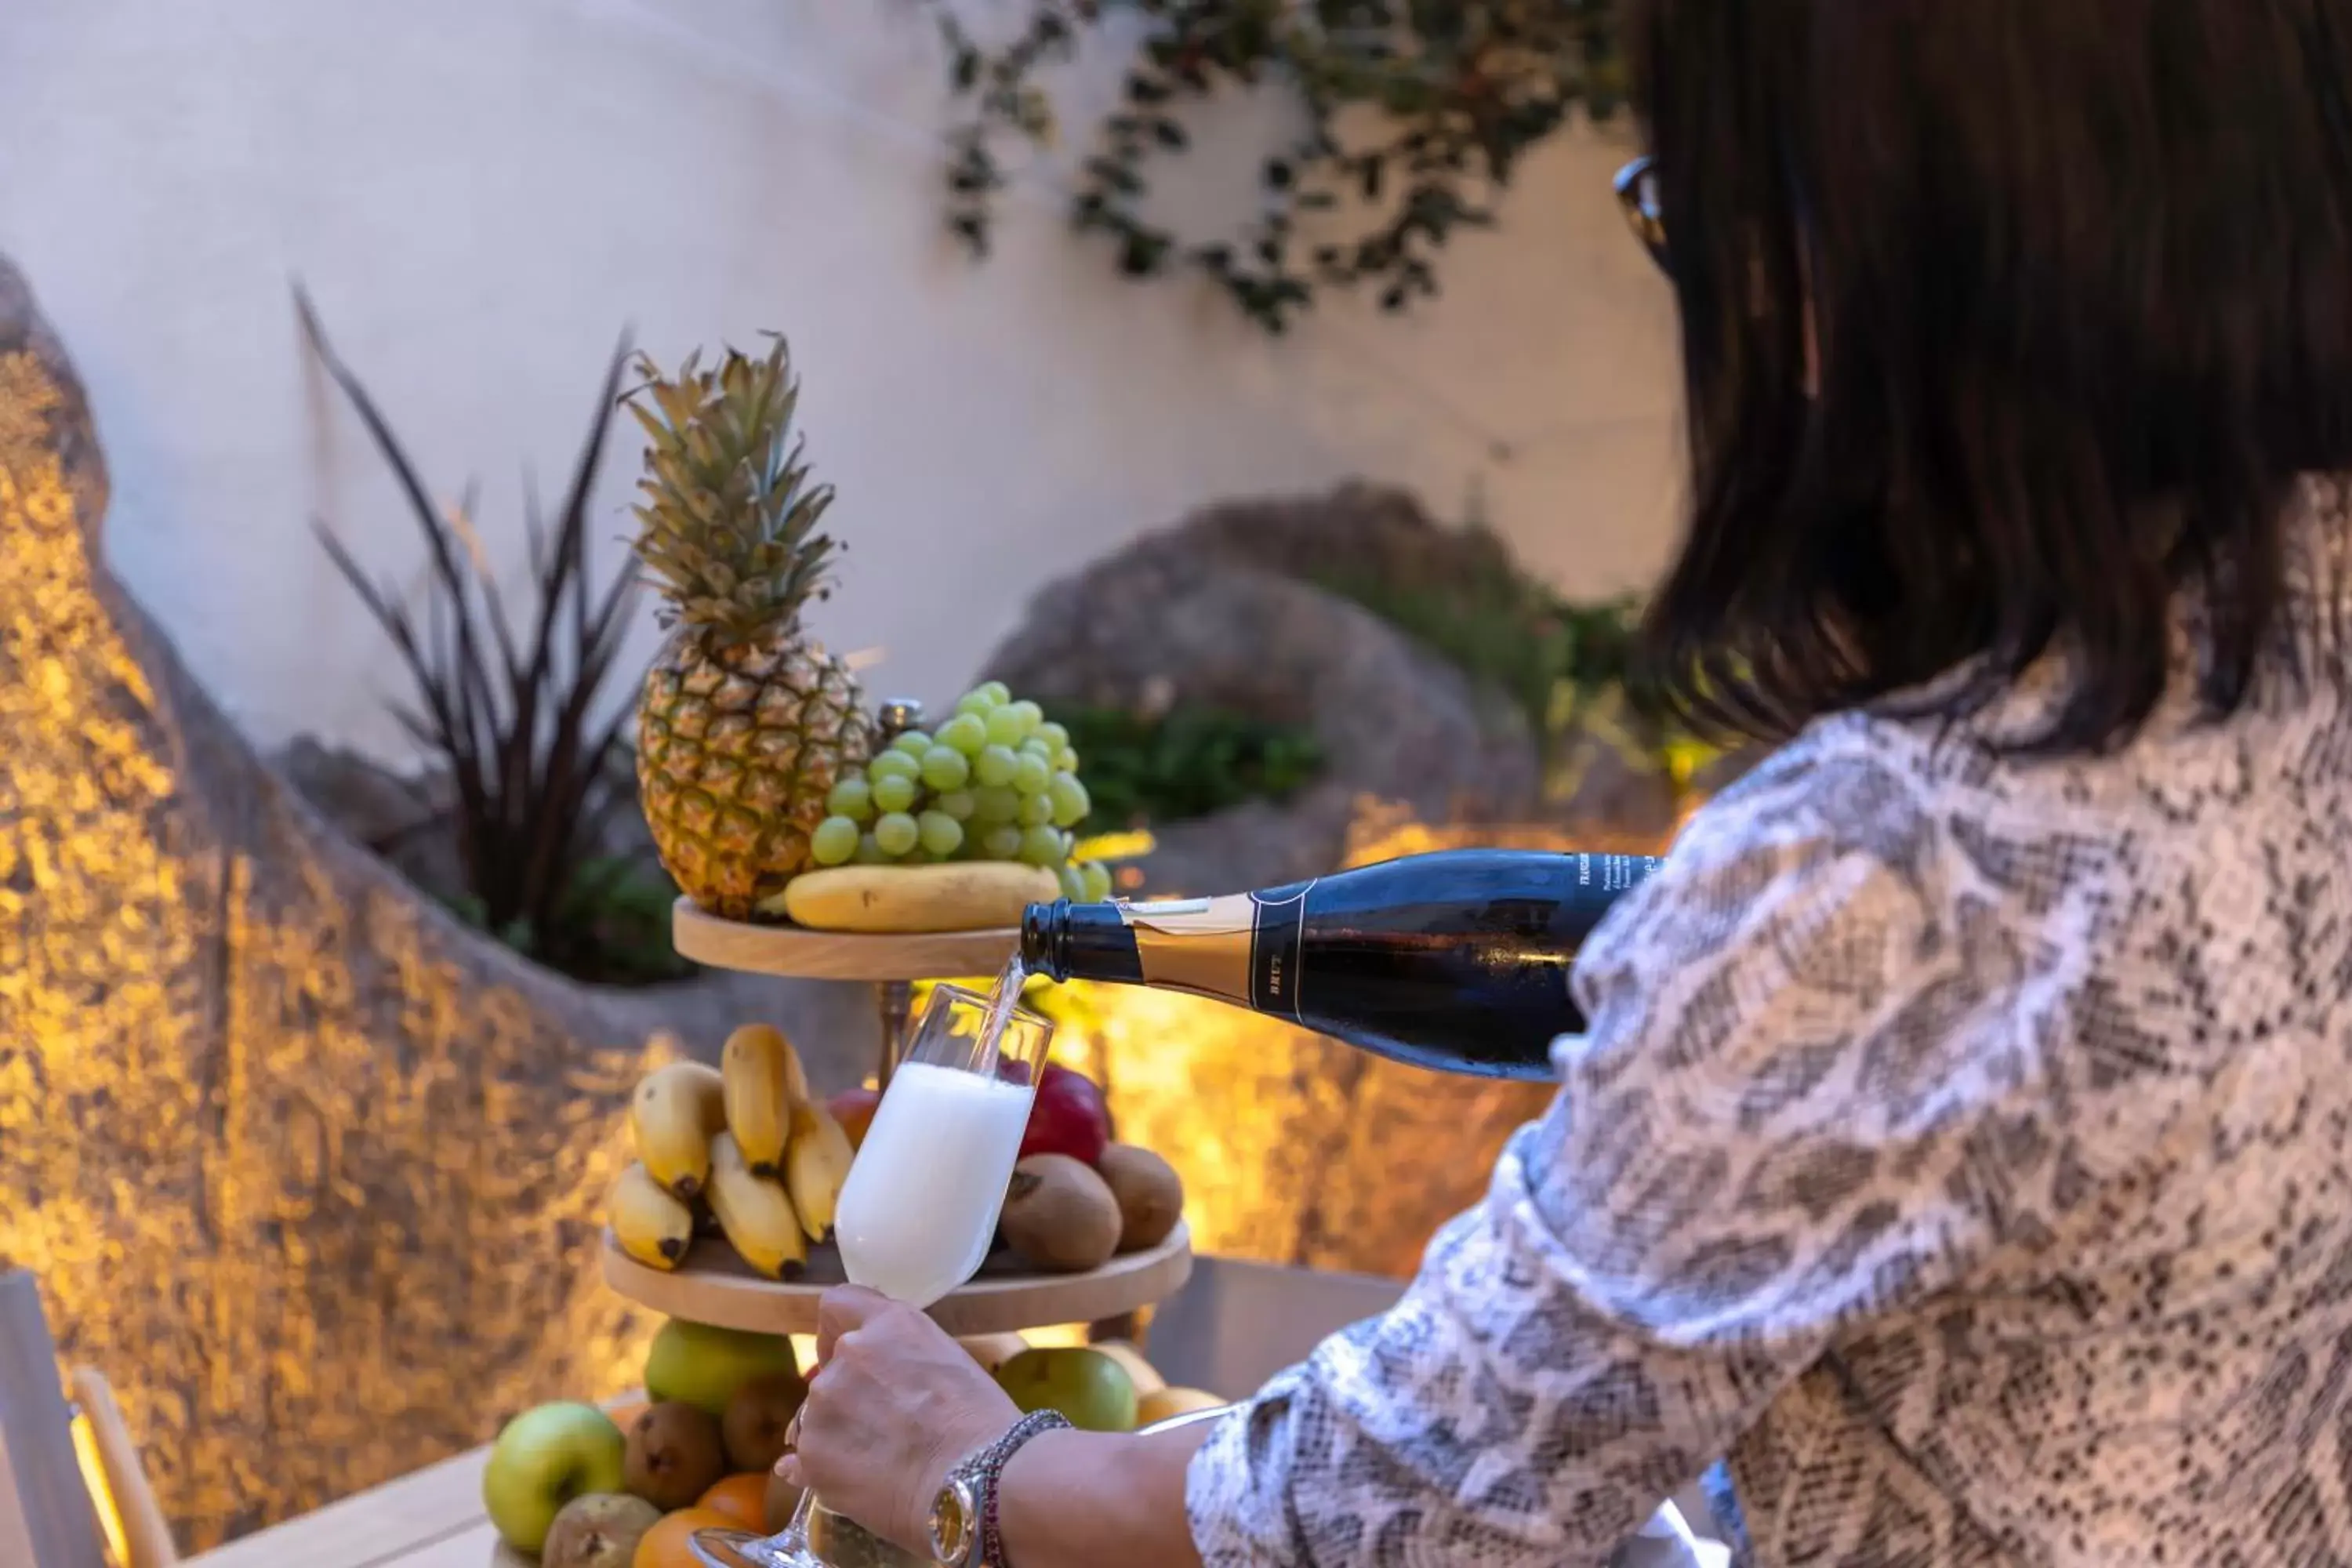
(480, 193)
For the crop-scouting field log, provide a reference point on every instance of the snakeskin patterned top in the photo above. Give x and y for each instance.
(1962, 1145)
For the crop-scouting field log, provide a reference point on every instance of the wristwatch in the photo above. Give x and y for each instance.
(963, 1516)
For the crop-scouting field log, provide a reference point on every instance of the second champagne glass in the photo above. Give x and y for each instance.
(917, 1214)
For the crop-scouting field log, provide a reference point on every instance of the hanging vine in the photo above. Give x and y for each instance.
(1417, 113)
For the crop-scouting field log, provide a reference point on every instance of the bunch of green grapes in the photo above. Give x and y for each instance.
(997, 782)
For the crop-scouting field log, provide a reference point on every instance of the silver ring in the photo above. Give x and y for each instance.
(792, 1430)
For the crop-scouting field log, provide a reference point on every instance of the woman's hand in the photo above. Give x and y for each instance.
(893, 1406)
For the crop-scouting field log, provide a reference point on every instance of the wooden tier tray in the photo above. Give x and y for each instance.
(714, 1287)
(838, 955)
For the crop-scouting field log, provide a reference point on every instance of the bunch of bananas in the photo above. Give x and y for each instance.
(744, 1142)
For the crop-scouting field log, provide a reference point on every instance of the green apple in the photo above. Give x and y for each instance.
(542, 1460)
(1090, 1390)
(703, 1366)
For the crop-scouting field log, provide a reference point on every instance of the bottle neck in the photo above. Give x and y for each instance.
(1041, 939)
(1062, 940)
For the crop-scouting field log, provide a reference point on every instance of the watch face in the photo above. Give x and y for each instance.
(954, 1522)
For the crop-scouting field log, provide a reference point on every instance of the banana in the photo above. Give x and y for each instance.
(651, 1225)
(672, 1116)
(958, 896)
(816, 1161)
(754, 1212)
(763, 1077)
(797, 1084)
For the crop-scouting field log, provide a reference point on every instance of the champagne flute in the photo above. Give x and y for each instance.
(919, 1212)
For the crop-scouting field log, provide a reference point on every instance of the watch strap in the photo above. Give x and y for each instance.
(984, 1471)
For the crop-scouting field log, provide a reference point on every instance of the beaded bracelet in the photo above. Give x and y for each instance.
(990, 1469)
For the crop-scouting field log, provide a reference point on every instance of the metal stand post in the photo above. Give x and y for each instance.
(896, 716)
(897, 998)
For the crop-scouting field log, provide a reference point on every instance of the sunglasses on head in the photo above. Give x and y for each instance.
(1644, 208)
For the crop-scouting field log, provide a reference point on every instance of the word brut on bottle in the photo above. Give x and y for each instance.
(1457, 962)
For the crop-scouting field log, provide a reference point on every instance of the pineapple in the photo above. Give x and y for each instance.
(746, 723)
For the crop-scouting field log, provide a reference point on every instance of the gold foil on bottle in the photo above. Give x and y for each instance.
(1200, 945)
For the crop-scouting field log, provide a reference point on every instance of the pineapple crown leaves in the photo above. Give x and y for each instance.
(727, 518)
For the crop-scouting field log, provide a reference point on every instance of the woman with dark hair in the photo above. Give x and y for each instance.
(1960, 1143)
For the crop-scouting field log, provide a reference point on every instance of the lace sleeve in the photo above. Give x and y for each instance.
(1766, 1135)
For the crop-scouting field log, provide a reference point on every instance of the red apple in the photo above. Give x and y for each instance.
(1068, 1117)
(854, 1109)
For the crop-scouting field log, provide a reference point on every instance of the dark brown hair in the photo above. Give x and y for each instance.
(2079, 273)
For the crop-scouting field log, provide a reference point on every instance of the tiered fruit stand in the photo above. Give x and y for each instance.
(713, 1286)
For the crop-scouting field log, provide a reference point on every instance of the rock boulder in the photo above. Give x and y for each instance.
(311, 1171)
(1187, 616)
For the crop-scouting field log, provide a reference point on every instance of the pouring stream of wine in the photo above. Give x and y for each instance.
(1002, 1003)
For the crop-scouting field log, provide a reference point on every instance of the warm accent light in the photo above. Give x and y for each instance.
(1128, 846)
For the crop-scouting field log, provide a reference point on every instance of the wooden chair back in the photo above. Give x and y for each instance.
(47, 1518)
(146, 1538)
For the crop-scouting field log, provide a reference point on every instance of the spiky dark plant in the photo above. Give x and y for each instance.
(514, 716)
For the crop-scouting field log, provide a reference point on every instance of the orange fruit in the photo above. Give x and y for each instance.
(742, 1497)
(668, 1545)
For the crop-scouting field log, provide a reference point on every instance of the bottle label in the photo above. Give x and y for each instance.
(1276, 975)
(1612, 873)
(1240, 948)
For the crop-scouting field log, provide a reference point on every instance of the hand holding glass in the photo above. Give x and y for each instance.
(917, 1214)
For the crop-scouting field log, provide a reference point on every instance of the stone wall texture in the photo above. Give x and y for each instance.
(310, 1171)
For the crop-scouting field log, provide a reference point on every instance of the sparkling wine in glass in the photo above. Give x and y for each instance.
(919, 1212)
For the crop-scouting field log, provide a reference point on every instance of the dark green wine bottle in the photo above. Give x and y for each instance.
(1457, 962)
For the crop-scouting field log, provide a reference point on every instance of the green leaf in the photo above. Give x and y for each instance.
(500, 701)
(1456, 95)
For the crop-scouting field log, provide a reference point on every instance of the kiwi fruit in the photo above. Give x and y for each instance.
(759, 1420)
(1060, 1216)
(1150, 1195)
(675, 1454)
